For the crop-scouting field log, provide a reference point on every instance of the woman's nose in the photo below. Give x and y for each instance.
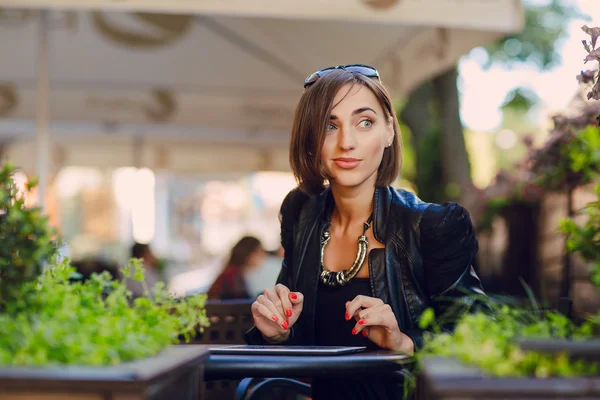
(347, 141)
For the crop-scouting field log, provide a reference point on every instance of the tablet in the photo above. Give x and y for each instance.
(288, 350)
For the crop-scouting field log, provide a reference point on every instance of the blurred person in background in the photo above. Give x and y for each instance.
(247, 254)
(152, 267)
(265, 275)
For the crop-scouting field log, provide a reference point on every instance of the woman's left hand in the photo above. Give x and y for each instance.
(376, 320)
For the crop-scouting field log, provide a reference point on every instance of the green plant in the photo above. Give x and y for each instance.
(583, 153)
(59, 320)
(585, 239)
(573, 158)
(26, 240)
(489, 341)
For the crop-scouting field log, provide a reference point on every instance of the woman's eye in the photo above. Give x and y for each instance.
(330, 127)
(365, 123)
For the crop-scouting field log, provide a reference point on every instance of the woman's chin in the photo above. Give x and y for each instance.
(349, 180)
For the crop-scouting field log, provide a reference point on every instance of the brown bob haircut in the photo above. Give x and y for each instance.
(310, 122)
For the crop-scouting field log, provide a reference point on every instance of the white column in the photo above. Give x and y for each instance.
(43, 105)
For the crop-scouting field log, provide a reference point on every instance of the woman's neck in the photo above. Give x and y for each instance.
(352, 206)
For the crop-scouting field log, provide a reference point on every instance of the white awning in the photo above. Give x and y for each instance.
(225, 69)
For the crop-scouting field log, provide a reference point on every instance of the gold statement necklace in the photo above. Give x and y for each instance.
(342, 278)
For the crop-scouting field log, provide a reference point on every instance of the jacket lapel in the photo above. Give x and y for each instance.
(308, 259)
(387, 274)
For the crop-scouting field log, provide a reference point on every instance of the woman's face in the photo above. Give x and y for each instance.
(256, 258)
(357, 134)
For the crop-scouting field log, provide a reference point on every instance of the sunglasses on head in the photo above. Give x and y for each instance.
(366, 70)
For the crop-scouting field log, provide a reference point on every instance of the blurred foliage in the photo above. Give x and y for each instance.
(59, 320)
(520, 100)
(27, 242)
(423, 163)
(408, 171)
(577, 161)
(545, 24)
(569, 158)
(430, 164)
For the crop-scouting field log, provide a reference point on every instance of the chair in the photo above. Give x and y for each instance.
(259, 388)
(229, 319)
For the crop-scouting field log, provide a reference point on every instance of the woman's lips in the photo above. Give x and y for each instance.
(346, 163)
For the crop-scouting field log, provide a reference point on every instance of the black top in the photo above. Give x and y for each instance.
(331, 327)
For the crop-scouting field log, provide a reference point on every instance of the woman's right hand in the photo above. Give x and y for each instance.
(276, 311)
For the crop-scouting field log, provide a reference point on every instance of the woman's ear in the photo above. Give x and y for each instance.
(390, 136)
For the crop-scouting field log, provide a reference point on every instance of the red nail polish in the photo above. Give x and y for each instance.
(354, 331)
(293, 296)
(361, 322)
(364, 333)
(285, 325)
(274, 318)
(288, 313)
(347, 317)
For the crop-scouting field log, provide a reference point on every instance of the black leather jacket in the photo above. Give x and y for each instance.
(428, 255)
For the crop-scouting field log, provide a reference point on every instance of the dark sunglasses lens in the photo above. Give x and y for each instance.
(369, 72)
(366, 71)
(314, 77)
(311, 79)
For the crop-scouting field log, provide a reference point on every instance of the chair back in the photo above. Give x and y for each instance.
(229, 320)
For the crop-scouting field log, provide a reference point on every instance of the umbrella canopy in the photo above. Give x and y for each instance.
(170, 74)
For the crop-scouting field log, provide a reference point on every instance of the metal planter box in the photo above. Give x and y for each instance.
(175, 373)
(445, 379)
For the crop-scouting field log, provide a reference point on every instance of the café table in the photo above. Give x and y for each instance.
(236, 366)
(292, 370)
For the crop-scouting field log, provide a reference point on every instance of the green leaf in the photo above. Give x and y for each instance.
(427, 318)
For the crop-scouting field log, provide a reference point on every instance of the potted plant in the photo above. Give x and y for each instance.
(484, 356)
(61, 337)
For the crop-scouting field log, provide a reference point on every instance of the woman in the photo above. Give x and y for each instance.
(231, 284)
(334, 289)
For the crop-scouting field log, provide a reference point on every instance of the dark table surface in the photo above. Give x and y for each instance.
(231, 366)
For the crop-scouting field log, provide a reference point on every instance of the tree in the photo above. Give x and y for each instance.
(431, 111)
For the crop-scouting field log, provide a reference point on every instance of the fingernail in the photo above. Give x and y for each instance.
(361, 322)
(288, 313)
(347, 317)
(294, 296)
(274, 318)
(285, 325)
(364, 333)
(354, 331)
